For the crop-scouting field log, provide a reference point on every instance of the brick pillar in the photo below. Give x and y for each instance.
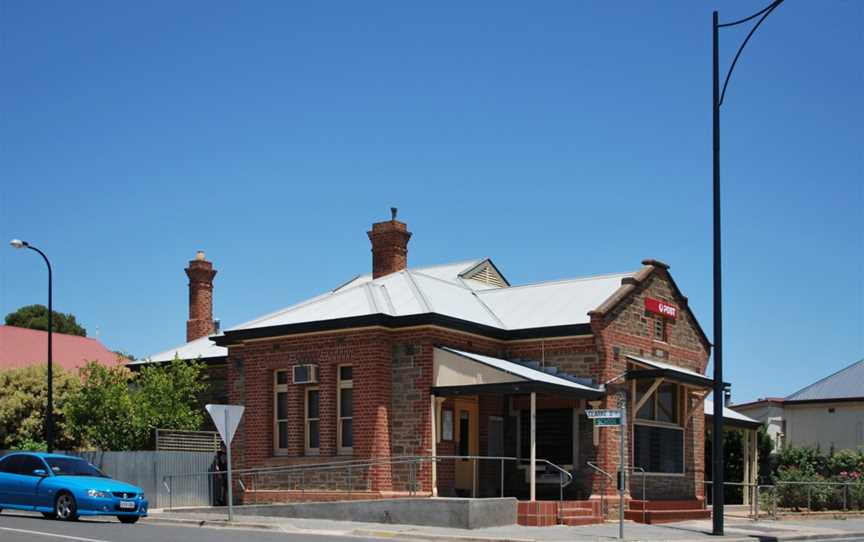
(200, 322)
(389, 246)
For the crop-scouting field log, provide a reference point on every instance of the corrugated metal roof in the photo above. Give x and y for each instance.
(440, 289)
(847, 383)
(521, 371)
(443, 290)
(202, 348)
(728, 413)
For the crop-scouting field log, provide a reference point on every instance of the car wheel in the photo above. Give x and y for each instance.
(65, 507)
(128, 519)
(49, 515)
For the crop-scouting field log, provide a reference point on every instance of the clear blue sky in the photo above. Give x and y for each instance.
(561, 139)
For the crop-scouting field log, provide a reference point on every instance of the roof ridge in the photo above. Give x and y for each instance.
(560, 281)
(417, 291)
(823, 379)
(439, 279)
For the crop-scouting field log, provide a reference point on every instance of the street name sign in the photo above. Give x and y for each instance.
(607, 422)
(600, 413)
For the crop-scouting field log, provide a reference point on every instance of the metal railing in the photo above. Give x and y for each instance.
(351, 476)
(749, 495)
(611, 478)
(794, 497)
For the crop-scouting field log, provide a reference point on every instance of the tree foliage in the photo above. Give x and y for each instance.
(36, 317)
(23, 396)
(103, 412)
(117, 409)
(107, 408)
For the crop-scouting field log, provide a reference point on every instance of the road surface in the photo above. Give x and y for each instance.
(24, 527)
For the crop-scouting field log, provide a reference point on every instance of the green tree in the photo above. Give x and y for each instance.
(167, 395)
(103, 413)
(36, 317)
(116, 409)
(23, 397)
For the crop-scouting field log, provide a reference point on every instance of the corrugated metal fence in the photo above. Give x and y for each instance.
(147, 469)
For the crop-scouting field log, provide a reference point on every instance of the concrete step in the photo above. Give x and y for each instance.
(665, 516)
(684, 504)
(582, 520)
(577, 513)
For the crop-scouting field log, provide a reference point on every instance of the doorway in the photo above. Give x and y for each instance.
(467, 444)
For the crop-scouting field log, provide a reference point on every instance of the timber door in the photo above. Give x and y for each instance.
(467, 436)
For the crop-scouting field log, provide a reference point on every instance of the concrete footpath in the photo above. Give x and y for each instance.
(736, 529)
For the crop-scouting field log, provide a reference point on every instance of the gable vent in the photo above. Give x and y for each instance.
(488, 275)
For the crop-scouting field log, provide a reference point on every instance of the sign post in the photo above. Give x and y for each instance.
(622, 400)
(227, 418)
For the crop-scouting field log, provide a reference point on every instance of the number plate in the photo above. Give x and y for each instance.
(127, 505)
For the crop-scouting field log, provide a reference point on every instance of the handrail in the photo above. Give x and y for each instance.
(414, 461)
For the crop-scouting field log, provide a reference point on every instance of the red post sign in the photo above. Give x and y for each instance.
(658, 307)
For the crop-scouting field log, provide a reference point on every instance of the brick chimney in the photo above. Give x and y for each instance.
(389, 246)
(200, 322)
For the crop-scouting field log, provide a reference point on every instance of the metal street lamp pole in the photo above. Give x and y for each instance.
(49, 415)
(717, 101)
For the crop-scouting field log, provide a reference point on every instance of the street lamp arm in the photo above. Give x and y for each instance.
(765, 13)
(44, 257)
(772, 5)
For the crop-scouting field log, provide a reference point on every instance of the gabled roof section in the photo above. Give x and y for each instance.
(203, 348)
(847, 383)
(485, 275)
(630, 284)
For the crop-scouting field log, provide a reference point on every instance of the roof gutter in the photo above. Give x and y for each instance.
(396, 322)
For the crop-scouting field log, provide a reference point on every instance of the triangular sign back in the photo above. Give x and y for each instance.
(217, 412)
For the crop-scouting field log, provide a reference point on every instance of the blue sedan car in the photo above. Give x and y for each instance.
(65, 487)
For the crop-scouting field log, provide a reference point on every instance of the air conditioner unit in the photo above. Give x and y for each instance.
(305, 374)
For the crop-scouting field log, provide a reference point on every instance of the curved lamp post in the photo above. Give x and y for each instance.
(49, 415)
(717, 440)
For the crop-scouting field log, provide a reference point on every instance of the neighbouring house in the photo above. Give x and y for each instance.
(22, 347)
(828, 414)
(453, 360)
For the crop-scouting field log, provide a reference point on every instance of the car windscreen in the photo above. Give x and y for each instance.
(70, 466)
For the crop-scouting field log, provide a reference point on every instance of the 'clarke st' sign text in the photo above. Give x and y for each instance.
(658, 307)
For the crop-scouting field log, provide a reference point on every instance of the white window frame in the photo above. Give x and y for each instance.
(277, 389)
(306, 422)
(342, 385)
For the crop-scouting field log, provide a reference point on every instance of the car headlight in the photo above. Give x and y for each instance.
(141, 496)
(98, 494)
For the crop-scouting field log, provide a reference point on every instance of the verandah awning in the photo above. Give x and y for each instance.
(456, 372)
(649, 368)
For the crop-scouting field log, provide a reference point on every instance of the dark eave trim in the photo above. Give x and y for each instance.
(514, 387)
(827, 400)
(215, 360)
(396, 322)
